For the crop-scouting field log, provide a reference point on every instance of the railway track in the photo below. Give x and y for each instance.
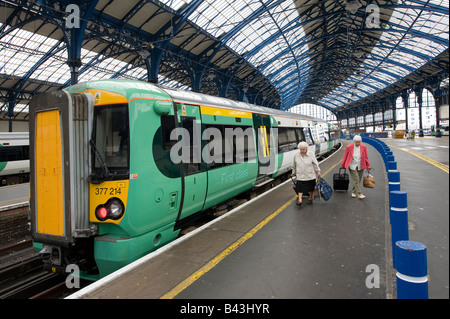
(24, 277)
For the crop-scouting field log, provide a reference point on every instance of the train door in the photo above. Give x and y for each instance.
(265, 151)
(195, 176)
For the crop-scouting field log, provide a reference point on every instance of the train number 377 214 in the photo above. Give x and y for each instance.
(108, 191)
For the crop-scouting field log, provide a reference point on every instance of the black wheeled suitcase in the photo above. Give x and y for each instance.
(341, 180)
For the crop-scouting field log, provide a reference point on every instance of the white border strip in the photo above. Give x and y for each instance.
(105, 280)
(13, 206)
(414, 280)
(395, 209)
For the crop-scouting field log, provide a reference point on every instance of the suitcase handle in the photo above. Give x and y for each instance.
(342, 169)
(293, 180)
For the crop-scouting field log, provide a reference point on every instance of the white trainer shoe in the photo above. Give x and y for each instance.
(361, 196)
(353, 195)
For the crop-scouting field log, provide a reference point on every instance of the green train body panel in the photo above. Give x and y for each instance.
(114, 252)
(229, 181)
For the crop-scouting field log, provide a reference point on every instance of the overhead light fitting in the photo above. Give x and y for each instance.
(353, 6)
(358, 53)
(210, 76)
(144, 54)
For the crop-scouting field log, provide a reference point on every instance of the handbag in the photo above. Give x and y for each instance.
(368, 180)
(325, 189)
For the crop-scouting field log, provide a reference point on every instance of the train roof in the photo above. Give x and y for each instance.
(13, 135)
(203, 99)
(122, 86)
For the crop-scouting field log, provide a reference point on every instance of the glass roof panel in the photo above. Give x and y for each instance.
(219, 17)
(404, 47)
(268, 40)
(175, 4)
(21, 50)
(54, 69)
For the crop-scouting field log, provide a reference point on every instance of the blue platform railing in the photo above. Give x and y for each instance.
(409, 257)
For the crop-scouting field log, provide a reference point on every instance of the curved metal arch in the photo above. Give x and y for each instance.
(208, 57)
(55, 49)
(317, 36)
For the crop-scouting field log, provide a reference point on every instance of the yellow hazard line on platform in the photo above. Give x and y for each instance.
(213, 262)
(440, 165)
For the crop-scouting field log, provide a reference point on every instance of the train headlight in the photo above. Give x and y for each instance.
(115, 208)
(112, 209)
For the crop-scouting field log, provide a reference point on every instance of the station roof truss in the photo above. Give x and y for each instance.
(338, 54)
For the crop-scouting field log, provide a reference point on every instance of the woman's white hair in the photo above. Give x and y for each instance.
(357, 138)
(303, 144)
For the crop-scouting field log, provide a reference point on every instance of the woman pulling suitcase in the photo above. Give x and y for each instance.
(356, 160)
(306, 168)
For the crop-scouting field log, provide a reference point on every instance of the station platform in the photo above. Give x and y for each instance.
(269, 248)
(14, 196)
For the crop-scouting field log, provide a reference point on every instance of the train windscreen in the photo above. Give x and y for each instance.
(110, 144)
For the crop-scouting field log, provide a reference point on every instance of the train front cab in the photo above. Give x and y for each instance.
(91, 178)
(58, 121)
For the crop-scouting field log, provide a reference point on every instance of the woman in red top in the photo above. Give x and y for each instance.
(356, 160)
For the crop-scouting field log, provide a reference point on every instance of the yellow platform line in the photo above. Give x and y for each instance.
(213, 262)
(440, 165)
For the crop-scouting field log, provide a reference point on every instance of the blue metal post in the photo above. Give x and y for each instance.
(394, 182)
(412, 280)
(384, 154)
(398, 214)
(389, 158)
(391, 166)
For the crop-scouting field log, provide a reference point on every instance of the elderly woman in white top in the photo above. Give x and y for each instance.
(306, 168)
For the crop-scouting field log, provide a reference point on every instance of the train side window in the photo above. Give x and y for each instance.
(300, 135)
(167, 126)
(282, 137)
(313, 132)
(238, 148)
(291, 138)
(287, 140)
(194, 164)
(307, 134)
(14, 153)
(242, 140)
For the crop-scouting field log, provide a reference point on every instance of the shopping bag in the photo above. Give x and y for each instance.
(325, 189)
(368, 180)
(316, 192)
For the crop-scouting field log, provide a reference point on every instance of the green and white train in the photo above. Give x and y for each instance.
(107, 185)
(14, 158)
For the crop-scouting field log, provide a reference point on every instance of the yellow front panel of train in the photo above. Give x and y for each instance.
(49, 178)
(99, 194)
